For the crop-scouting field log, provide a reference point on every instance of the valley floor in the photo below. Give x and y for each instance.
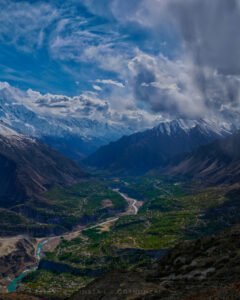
(159, 214)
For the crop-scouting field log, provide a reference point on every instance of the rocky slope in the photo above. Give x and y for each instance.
(216, 163)
(202, 269)
(153, 148)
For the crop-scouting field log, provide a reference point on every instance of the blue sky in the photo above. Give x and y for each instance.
(168, 58)
(50, 50)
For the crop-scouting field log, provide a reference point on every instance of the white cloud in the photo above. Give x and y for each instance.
(110, 82)
(202, 81)
(166, 86)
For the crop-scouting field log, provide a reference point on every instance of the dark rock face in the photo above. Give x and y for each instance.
(153, 148)
(191, 270)
(28, 168)
(216, 163)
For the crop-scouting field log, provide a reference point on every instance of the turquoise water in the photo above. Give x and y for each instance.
(16, 281)
(39, 249)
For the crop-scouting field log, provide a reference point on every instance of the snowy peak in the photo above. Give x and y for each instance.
(35, 114)
(206, 127)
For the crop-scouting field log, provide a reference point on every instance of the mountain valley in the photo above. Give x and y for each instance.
(88, 228)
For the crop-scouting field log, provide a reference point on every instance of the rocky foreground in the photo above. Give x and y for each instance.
(207, 268)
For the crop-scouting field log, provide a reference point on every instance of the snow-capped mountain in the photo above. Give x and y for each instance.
(27, 113)
(156, 147)
(205, 126)
(77, 126)
(74, 125)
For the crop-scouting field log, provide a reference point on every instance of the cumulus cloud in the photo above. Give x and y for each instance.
(204, 77)
(84, 105)
(166, 86)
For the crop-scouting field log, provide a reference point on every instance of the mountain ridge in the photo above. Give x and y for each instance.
(155, 147)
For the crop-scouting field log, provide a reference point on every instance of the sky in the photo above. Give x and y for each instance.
(161, 58)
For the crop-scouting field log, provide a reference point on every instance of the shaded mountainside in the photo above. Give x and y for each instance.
(28, 168)
(203, 269)
(216, 163)
(153, 148)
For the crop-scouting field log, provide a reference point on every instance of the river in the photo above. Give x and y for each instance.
(132, 209)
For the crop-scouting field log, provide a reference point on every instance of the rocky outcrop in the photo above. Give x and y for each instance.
(16, 254)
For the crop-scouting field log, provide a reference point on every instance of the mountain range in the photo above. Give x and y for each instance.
(154, 148)
(75, 126)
